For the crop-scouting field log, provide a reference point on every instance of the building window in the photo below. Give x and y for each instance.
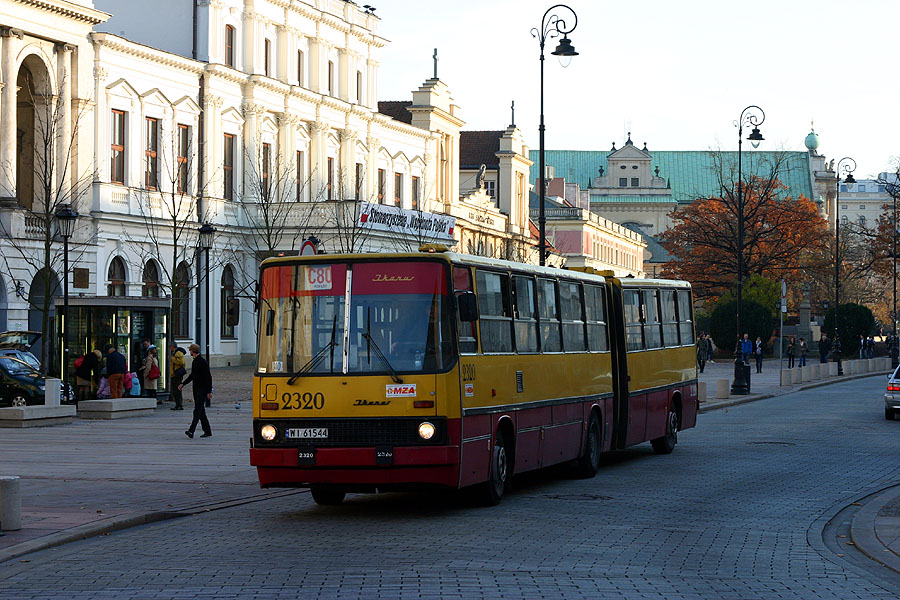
(266, 159)
(359, 85)
(490, 187)
(228, 167)
(843, 188)
(860, 188)
(116, 278)
(862, 220)
(300, 177)
(229, 309)
(330, 178)
(862, 207)
(300, 59)
(150, 288)
(380, 186)
(623, 182)
(843, 207)
(635, 182)
(151, 163)
(117, 147)
(398, 188)
(267, 57)
(229, 46)
(180, 301)
(357, 184)
(415, 192)
(331, 78)
(184, 143)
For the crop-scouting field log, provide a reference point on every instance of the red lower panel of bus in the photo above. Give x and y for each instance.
(278, 467)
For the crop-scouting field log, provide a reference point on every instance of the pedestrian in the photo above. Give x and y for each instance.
(116, 367)
(85, 374)
(701, 352)
(759, 354)
(135, 390)
(202, 379)
(176, 368)
(870, 347)
(103, 386)
(803, 349)
(791, 349)
(746, 349)
(862, 346)
(150, 373)
(824, 348)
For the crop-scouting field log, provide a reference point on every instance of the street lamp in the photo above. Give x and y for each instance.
(206, 241)
(551, 26)
(65, 217)
(752, 116)
(848, 171)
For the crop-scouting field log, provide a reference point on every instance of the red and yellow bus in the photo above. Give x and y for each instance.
(388, 371)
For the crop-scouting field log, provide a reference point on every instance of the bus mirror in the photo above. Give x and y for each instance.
(270, 322)
(468, 309)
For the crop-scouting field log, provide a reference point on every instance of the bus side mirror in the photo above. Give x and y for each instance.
(270, 322)
(468, 308)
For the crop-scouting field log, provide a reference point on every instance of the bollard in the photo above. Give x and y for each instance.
(832, 369)
(722, 388)
(10, 503)
(805, 373)
(52, 392)
(815, 371)
(795, 374)
(701, 391)
(786, 377)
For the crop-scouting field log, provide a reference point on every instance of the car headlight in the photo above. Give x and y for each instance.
(426, 430)
(268, 432)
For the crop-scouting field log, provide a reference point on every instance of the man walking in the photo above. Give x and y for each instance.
(176, 368)
(202, 379)
(116, 367)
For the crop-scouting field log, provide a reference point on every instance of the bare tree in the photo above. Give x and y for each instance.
(35, 241)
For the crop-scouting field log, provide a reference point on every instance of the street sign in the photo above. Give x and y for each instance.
(308, 248)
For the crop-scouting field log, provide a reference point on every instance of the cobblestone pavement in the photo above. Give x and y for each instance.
(750, 505)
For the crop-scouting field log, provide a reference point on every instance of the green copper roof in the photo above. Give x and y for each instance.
(664, 199)
(691, 173)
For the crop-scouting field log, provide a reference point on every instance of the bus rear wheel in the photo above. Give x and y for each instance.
(666, 443)
(590, 460)
(327, 496)
(492, 490)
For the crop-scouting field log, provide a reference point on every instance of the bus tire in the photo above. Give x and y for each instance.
(666, 443)
(492, 490)
(327, 496)
(589, 462)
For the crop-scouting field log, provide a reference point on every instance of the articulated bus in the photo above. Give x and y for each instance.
(388, 371)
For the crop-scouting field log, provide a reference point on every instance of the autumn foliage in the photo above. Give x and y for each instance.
(782, 235)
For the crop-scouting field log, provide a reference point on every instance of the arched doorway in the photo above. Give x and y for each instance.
(44, 284)
(36, 131)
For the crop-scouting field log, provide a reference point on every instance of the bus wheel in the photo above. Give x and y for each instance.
(666, 443)
(327, 496)
(590, 460)
(493, 488)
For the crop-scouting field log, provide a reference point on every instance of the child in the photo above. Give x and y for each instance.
(103, 389)
(135, 384)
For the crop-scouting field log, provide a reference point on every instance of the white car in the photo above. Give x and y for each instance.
(892, 395)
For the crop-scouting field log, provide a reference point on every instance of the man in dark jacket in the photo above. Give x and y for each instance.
(202, 379)
(116, 367)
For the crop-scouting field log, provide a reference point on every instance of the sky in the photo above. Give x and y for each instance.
(675, 74)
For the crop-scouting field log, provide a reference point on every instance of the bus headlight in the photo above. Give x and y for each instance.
(268, 432)
(426, 430)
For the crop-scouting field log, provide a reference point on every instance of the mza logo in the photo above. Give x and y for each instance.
(400, 391)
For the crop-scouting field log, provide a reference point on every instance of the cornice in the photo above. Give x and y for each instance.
(69, 9)
(388, 123)
(118, 44)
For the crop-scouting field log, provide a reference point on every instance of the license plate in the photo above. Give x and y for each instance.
(310, 433)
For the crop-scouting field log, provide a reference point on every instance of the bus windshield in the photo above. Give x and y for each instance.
(397, 318)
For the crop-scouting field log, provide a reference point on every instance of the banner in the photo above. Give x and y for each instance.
(417, 225)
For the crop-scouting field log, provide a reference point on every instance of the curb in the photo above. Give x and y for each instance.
(118, 523)
(864, 534)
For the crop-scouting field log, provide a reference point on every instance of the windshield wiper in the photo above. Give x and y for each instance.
(371, 343)
(318, 356)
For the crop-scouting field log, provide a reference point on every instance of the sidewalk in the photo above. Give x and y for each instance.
(93, 477)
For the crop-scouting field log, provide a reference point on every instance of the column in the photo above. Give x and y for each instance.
(102, 123)
(347, 182)
(8, 123)
(281, 52)
(65, 160)
(252, 163)
(318, 160)
(248, 49)
(343, 74)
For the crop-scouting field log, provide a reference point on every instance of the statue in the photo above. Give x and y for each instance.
(479, 179)
(830, 166)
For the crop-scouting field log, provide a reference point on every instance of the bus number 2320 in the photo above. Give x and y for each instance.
(305, 401)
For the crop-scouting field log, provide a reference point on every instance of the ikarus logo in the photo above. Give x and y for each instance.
(401, 390)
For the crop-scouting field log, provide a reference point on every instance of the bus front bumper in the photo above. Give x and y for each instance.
(281, 467)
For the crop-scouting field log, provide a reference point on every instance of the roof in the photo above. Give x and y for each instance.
(691, 173)
(478, 148)
(396, 109)
(654, 198)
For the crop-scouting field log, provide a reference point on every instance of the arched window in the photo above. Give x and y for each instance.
(150, 288)
(181, 301)
(116, 278)
(229, 307)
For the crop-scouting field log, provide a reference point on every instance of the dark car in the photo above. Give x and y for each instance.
(18, 345)
(23, 355)
(20, 383)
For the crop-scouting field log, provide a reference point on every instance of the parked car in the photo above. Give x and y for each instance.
(20, 383)
(23, 355)
(18, 344)
(892, 395)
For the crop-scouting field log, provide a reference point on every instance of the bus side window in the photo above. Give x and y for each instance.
(494, 306)
(685, 318)
(549, 316)
(669, 319)
(572, 316)
(595, 315)
(270, 322)
(652, 330)
(525, 314)
(631, 305)
(462, 282)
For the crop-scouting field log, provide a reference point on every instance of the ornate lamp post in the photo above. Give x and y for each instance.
(551, 27)
(848, 171)
(752, 116)
(65, 218)
(207, 232)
